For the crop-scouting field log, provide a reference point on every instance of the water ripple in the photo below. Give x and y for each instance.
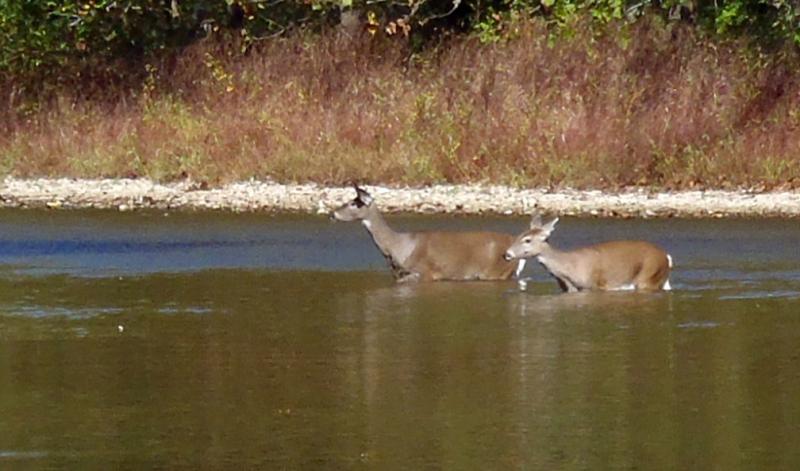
(698, 325)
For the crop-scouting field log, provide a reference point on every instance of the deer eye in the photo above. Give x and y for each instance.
(527, 240)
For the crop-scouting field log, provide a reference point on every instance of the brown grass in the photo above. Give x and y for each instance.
(663, 108)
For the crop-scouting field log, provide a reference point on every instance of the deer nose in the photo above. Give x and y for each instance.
(507, 256)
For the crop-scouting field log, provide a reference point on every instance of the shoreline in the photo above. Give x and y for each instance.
(256, 196)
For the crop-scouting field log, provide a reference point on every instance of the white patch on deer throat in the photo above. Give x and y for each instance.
(366, 224)
(520, 267)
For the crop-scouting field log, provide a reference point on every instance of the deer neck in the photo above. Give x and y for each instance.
(396, 247)
(559, 263)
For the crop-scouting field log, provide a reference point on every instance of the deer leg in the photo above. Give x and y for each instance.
(572, 288)
(409, 278)
(562, 284)
(567, 285)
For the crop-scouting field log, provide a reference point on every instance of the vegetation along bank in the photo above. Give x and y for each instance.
(613, 95)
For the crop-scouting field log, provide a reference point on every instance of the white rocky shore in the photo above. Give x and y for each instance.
(129, 194)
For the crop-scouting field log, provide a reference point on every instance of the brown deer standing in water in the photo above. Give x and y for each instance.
(432, 256)
(615, 265)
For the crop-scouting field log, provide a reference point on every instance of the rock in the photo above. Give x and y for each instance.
(126, 195)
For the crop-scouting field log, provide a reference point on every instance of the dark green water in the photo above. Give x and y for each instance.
(252, 341)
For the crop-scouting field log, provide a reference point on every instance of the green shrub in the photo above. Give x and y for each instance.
(39, 38)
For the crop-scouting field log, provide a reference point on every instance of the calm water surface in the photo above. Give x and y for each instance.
(145, 340)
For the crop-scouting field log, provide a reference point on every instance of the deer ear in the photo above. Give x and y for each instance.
(547, 228)
(363, 195)
(536, 220)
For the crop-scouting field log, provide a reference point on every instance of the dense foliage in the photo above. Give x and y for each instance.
(583, 93)
(40, 37)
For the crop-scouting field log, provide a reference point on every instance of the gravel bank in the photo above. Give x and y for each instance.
(462, 199)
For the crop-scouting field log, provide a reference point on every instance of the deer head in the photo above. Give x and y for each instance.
(531, 242)
(355, 210)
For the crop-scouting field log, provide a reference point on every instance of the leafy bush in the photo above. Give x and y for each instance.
(40, 36)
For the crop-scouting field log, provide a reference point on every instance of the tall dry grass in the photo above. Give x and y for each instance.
(651, 105)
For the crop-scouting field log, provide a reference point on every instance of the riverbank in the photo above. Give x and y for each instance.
(132, 194)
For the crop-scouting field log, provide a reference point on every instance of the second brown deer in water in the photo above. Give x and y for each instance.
(615, 265)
